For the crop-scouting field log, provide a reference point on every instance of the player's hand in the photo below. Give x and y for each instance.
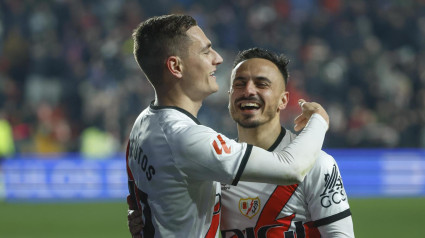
(308, 109)
(135, 223)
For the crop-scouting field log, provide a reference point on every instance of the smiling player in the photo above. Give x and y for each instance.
(316, 207)
(174, 163)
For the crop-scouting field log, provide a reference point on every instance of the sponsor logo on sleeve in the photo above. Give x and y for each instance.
(221, 146)
(334, 192)
(249, 207)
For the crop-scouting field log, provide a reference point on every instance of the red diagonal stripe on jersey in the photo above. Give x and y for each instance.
(133, 204)
(127, 151)
(271, 211)
(310, 230)
(212, 231)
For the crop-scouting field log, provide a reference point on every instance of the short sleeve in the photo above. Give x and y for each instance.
(203, 154)
(325, 193)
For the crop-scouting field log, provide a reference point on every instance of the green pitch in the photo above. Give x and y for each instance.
(391, 217)
(372, 218)
(63, 220)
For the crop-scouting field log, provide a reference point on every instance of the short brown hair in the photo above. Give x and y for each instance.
(157, 38)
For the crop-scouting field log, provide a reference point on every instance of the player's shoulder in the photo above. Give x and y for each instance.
(324, 162)
(325, 157)
(179, 126)
(168, 121)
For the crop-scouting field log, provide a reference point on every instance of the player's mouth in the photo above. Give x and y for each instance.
(249, 106)
(212, 74)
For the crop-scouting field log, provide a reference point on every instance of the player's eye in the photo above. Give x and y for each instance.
(239, 84)
(262, 85)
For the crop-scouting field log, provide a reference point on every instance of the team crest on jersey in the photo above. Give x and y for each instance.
(249, 207)
(333, 192)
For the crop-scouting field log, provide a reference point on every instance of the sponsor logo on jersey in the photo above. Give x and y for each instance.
(221, 146)
(334, 192)
(249, 207)
(225, 186)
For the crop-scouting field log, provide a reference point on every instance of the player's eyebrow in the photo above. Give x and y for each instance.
(258, 78)
(239, 78)
(262, 78)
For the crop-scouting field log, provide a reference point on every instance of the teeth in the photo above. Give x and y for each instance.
(250, 104)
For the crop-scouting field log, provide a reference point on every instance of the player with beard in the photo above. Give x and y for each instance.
(174, 163)
(316, 207)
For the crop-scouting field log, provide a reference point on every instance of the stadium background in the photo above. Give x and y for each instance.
(70, 91)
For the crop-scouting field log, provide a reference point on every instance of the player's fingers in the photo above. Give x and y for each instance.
(135, 229)
(310, 107)
(138, 220)
(299, 118)
(301, 102)
(321, 111)
(131, 204)
(300, 125)
(136, 213)
(133, 213)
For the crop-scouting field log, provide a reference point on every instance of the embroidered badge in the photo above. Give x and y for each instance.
(249, 207)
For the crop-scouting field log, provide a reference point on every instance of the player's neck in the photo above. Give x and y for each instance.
(262, 136)
(173, 99)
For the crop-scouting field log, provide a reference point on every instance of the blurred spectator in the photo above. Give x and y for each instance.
(67, 69)
(96, 144)
(7, 147)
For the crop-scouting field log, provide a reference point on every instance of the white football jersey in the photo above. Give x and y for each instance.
(175, 162)
(267, 210)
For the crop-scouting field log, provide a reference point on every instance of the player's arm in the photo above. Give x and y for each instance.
(134, 215)
(203, 154)
(327, 200)
(294, 162)
(339, 229)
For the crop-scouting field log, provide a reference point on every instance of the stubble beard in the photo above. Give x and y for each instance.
(249, 121)
(245, 122)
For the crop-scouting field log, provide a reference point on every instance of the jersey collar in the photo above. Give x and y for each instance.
(175, 108)
(278, 140)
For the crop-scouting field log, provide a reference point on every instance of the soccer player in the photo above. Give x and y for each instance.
(178, 163)
(316, 207)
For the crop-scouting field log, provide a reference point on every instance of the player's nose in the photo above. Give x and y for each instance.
(217, 59)
(249, 89)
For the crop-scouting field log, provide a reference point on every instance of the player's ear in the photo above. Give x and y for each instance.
(284, 99)
(175, 66)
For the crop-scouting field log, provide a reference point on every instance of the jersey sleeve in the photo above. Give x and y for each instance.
(205, 154)
(342, 228)
(290, 164)
(202, 153)
(325, 194)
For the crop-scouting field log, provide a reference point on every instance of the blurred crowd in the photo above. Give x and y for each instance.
(69, 82)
